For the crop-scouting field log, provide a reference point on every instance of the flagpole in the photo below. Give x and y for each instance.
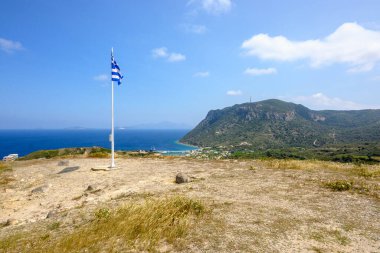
(112, 131)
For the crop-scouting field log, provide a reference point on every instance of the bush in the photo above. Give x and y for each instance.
(98, 155)
(41, 154)
(102, 213)
(339, 185)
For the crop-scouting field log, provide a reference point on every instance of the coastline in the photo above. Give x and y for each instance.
(188, 145)
(24, 142)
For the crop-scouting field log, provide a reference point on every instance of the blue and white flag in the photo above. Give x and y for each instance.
(116, 74)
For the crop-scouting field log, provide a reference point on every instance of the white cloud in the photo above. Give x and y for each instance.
(202, 74)
(197, 29)
(321, 101)
(10, 46)
(259, 72)
(216, 6)
(102, 77)
(234, 93)
(213, 6)
(350, 44)
(163, 52)
(176, 57)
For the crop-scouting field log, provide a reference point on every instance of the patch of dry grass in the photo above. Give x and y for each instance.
(4, 167)
(359, 178)
(364, 170)
(324, 234)
(134, 226)
(306, 164)
(5, 178)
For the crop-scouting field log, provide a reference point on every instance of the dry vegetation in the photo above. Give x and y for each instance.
(139, 226)
(230, 206)
(359, 178)
(5, 176)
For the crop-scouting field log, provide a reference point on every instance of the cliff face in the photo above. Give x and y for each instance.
(275, 124)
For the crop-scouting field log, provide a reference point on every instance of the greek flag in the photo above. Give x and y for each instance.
(116, 75)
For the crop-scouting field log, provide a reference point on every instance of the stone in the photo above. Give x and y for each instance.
(63, 163)
(51, 214)
(69, 169)
(91, 188)
(40, 189)
(11, 222)
(181, 178)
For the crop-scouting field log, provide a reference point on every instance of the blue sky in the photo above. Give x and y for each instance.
(181, 59)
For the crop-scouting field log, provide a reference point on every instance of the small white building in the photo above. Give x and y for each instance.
(10, 157)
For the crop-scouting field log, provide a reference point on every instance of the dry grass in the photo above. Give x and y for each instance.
(359, 178)
(4, 167)
(135, 226)
(311, 165)
(5, 178)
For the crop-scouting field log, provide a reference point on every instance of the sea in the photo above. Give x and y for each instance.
(23, 142)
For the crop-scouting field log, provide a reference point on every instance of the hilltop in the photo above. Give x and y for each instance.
(54, 205)
(278, 124)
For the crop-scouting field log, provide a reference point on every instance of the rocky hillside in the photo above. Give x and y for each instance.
(276, 124)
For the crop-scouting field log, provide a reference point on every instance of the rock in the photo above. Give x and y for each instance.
(69, 169)
(181, 178)
(63, 163)
(92, 187)
(11, 222)
(51, 214)
(40, 189)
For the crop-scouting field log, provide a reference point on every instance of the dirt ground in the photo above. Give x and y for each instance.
(255, 208)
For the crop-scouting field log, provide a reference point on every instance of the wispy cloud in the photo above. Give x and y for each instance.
(202, 74)
(321, 101)
(191, 28)
(259, 72)
(214, 7)
(163, 52)
(217, 6)
(349, 44)
(175, 57)
(10, 46)
(234, 93)
(101, 78)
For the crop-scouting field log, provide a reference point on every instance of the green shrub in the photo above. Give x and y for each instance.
(41, 154)
(339, 185)
(98, 155)
(102, 213)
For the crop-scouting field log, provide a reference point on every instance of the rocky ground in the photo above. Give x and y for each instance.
(256, 207)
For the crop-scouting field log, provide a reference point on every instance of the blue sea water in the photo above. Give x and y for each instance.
(23, 142)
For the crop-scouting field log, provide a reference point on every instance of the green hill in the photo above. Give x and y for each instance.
(277, 124)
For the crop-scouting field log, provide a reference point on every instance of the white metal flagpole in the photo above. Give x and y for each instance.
(112, 131)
